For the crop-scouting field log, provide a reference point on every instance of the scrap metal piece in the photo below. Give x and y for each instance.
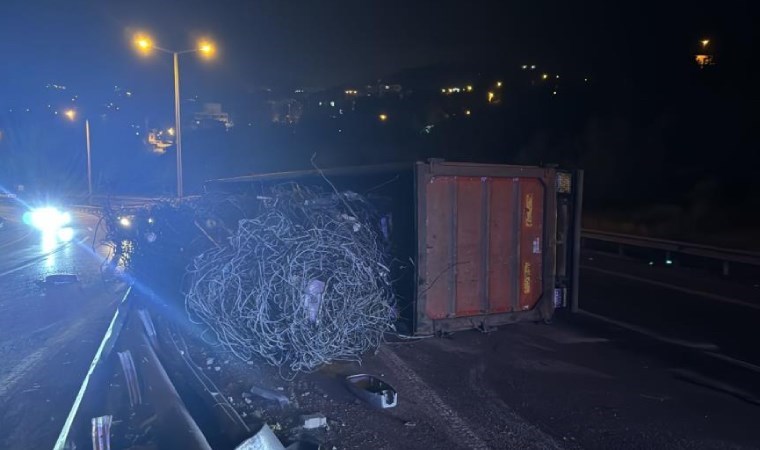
(101, 432)
(263, 440)
(130, 375)
(62, 278)
(150, 330)
(269, 394)
(373, 390)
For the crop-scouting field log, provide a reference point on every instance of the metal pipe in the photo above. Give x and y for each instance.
(89, 160)
(178, 125)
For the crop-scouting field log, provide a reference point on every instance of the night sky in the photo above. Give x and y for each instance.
(647, 100)
(329, 42)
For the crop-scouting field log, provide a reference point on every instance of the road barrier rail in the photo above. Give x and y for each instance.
(727, 256)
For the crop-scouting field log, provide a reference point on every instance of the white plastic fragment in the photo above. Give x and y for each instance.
(263, 440)
(312, 421)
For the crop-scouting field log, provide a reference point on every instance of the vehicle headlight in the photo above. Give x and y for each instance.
(47, 219)
(125, 221)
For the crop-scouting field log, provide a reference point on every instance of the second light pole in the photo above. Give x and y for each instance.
(71, 115)
(145, 45)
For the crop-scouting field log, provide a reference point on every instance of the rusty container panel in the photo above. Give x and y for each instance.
(469, 262)
(484, 248)
(503, 247)
(439, 248)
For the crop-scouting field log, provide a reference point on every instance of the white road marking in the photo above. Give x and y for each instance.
(706, 346)
(716, 297)
(434, 405)
(734, 361)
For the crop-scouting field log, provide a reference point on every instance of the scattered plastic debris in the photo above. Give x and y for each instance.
(373, 390)
(312, 421)
(313, 298)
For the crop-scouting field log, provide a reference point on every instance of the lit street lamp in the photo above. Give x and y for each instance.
(206, 48)
(72, 115)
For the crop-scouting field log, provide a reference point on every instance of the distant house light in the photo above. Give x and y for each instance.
(703, 60)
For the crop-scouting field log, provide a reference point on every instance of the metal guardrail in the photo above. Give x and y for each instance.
(725, 255)
(146, 374)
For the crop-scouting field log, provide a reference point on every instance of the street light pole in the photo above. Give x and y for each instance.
(178, 125)
(205, 48)
(71, 114)
(89, 159)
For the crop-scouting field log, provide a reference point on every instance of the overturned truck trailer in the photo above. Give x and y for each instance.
(476, 245)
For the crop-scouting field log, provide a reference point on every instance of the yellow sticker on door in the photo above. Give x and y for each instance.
(526, 278)
(528, 210)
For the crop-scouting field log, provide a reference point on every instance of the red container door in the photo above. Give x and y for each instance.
(483, 246)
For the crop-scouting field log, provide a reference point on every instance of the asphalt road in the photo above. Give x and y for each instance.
(48, 334)
(692, 308)
(662, 359)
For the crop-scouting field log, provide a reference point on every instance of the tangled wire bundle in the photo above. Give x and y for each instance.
(303, 283)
